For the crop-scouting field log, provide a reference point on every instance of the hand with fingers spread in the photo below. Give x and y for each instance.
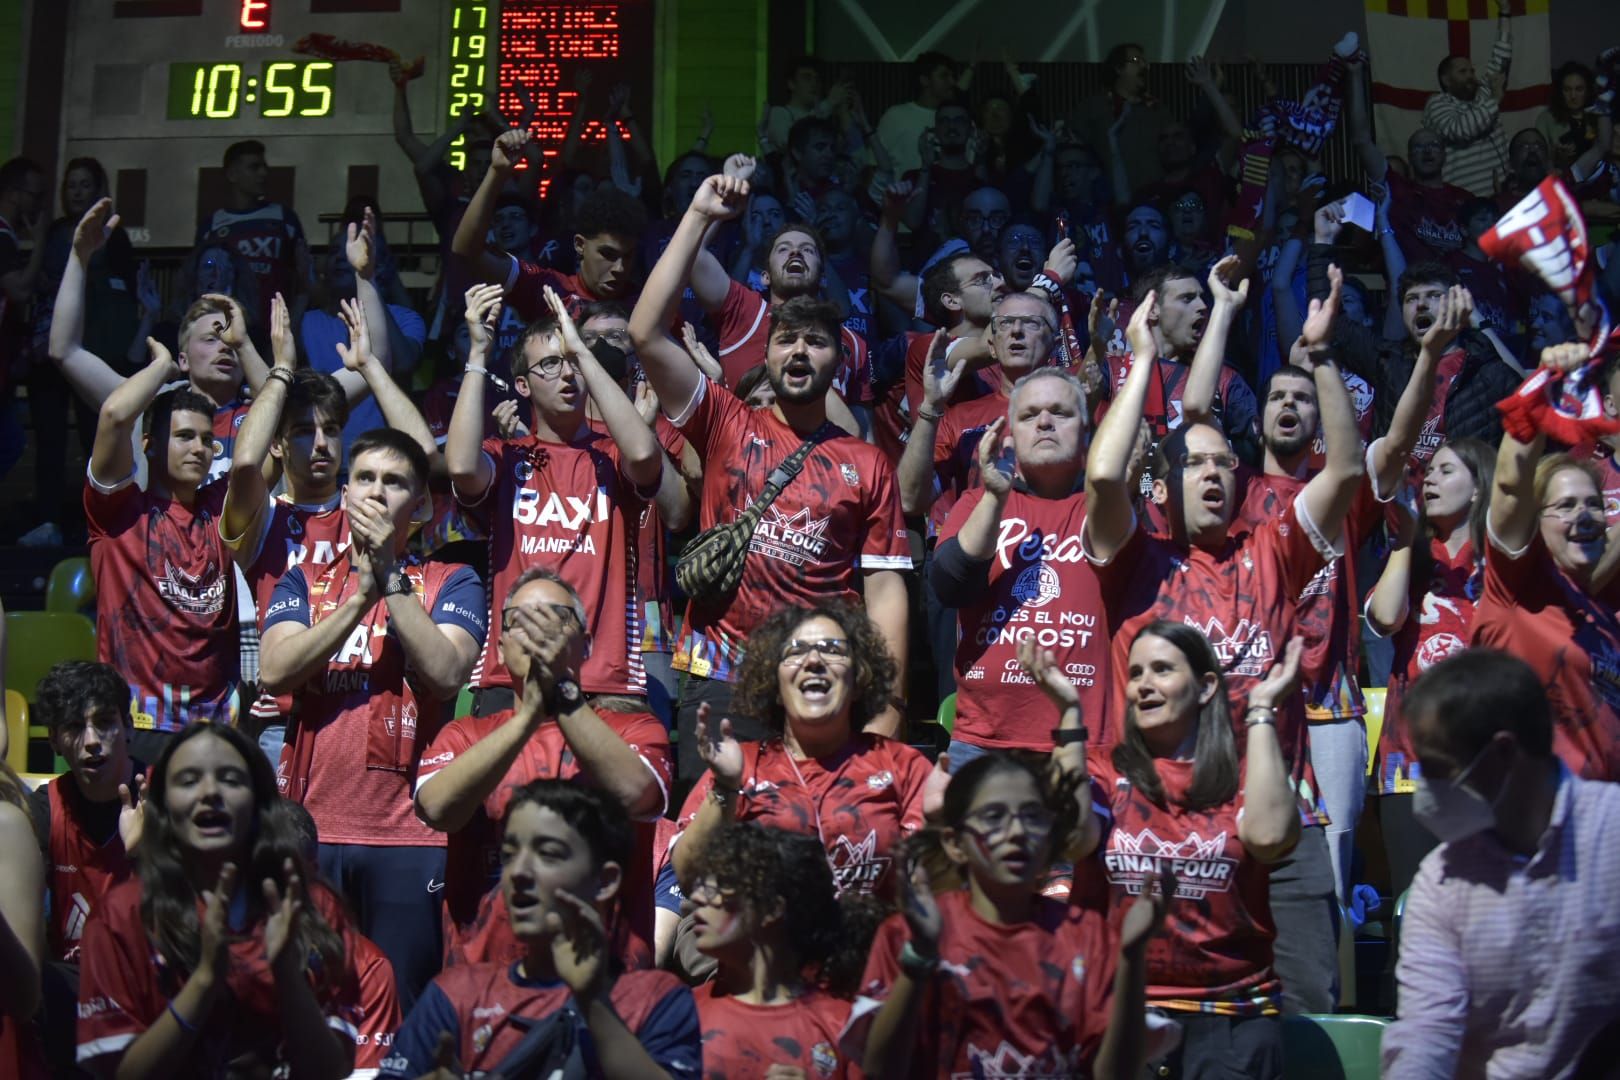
(995, 456)
(283, 346)
(1227, 282)
(1139, 332)
(213, 953)
(700, 354)
(360, 245)
(356, 354)
(281, 928)
(940, 376)
(1317, 332)
(1456, 312)
(508, 150)
(565, 323)
(721, 198)
(920, 909)
(509, 423)
(1146, 913)
(131, 814)
(1063, 259)
(93, 229)
(579, 946)
(483, 315)
(1282, 681)
(719, 750)
(739, 167)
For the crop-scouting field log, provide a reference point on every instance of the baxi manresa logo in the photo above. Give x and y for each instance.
(1037, 586)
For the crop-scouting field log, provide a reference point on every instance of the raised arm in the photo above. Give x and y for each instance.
(360, 245)
(916, 471)
(673, 375)
(1389, 603)
(470, 470)
(1328, 495)
(1269, 827)
(1458, 121)
(360, 364)
(112, 460)
(470, 240)
(240, 341)
(643, 458)
(1512, 518)
(247, 492)
(884, 592)
(1391, 453)
(887, 279)
(710, 282)
(1230, 288)
(1110, 513)
(1360, 123)
(1285, 308)
(89, 375)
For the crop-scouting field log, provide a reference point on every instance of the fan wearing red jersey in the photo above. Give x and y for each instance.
(788, 956)
(166, 588)
(991, 978)
(607, 228)
(1542, 598)
(372, 645)
(22, 935)
(470, 770)
(1179, 796)
(217, 952)
(1240, 588)
(838, 518)
(568, 497)
(564, 851)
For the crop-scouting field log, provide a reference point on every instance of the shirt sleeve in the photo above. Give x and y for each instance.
(742, 314)
(708, 421)
(1427, 1037)
(1239, 408)
(493, 449)
(379, 1015)
(1296, 546)
(461, 602)
(456, 737)
(882, 968)
(915, 770)
(289, 603)
(672, 1036)
(649, 739)
(886, 547)
(417, 1042)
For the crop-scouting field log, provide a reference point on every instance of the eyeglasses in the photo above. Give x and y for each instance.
(1567, 510)
(980, 281)
(796, 652)
(621, 338)
(1029, 324)
(548, 367)
(1226, 461)
(995, 821)
(973, 219)
(564, 610)
(708, 892)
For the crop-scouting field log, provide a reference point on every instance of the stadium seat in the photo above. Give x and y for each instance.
(464, 703)
(35, 640)
(17, 731)
(1319, 1047)
(947, 714)
(71, 589)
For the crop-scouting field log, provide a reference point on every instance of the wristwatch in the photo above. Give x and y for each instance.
(566, 696)
(398, 584)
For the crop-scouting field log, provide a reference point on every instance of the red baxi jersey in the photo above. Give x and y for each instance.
(860, 802)
(742, 1040)
(1439, 619)
(1213, 953)
(525, 291)
(165, 602)
(1572, 640)
(124, 987)
(1041, 587)
(1029, 999)
(358, 726)
(1242, 598)
(80, 870)
(841, 514)
(743, 325)
(476, 928)
(1329, 622)
(569, 508)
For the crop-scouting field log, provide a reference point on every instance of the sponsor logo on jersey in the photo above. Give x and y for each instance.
(879, 781)
(1037, 586)
(196, 594)
(1436, 648)
(857, 866)
(823, 1058)
(795, 538)
(851, 476)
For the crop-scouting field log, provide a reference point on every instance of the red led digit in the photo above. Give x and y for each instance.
(255, 14)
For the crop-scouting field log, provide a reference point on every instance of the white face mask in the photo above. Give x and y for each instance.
(1450, 809)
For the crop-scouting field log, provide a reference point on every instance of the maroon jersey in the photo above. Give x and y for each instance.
(267, 238)
(570, 508)
(839, 515)
(1572, 640)
(741, 1040)
(165, 602)
(80, 869)
(1439, 619)
(956, 449)
(653, 576)
(525, 291)
(1603, 455)
(860, 802)
(1213, 953)
(359, 725)
(1029, 999)
(124, 988)
(449, 524)
(1242, 599)
(1234, 405)
(1425, 218)
(377, 1002)
(1433, 435)
(476, 928)
(1041, 587)
(743, 325)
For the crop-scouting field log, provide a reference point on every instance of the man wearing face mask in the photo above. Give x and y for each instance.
(1509, 944)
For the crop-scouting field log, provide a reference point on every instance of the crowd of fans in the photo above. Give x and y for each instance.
(1146, 457)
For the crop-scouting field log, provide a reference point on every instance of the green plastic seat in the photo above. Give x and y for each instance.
(464, 703)
(16, 731)
(35, 640)
(947, 714)
(71, 588)
(1317, 1047)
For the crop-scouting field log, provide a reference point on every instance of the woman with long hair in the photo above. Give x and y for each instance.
(982, 975)
(223, 954)
(22, 933)
(1183, 789)
(814, 677)
(1568, 123)
(1424, 599)
(789, 953)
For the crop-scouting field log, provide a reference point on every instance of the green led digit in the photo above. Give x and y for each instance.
(320, 87)
(273, 85)
(212, 107)
(197, 92)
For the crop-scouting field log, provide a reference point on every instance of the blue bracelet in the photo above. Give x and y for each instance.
(185, 1025)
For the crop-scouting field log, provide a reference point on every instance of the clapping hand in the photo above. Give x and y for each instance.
(719, 750)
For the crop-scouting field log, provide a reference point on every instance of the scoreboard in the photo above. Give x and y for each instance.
(159, 88)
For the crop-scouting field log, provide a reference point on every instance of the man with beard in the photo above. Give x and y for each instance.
(1127, 104)
(948, 177)
(1530, 162)
(1146, 238)
(1466, 114)
(834, 531)
(985, 212)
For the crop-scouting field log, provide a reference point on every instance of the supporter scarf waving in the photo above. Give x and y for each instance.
(1546, 233)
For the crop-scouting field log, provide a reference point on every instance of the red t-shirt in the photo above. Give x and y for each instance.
(1213, 953)
(379, 1016)
(840, 515)
(570, 508)
(1329, 621)
(1041, 586)
(124, 988)
(1425, 218)
(1603, 456)
(956, 449)
(1531, 609)
(743, 324)
(449, 524)
(1439, 619)
(165, 602)
(1433, 435)
(79, 870)
(1235, 405)
(1027, 999)
(860, 802)
(525, 290)
(654, 578)
(742, 1040)
(1361, 400)
(476, 927)
(1242, 599)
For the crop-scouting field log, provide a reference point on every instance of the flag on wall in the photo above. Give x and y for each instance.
(1407, 39)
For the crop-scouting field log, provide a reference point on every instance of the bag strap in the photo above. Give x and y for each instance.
(780, 478)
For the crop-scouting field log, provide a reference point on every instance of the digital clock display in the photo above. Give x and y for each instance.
(278, 88)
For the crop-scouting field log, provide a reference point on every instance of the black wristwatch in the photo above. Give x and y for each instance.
(398, 584)
(565, 697)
